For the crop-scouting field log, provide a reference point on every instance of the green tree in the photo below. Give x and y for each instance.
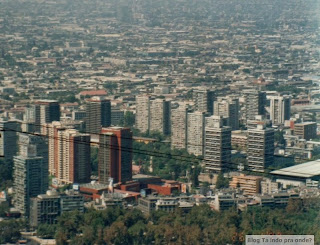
(46, 230)
(222, 182)
(9, 231)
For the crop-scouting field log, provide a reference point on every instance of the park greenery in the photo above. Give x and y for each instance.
(201, 225)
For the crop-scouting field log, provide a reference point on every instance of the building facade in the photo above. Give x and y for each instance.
(115, 155)
(98, 115)
(217, 153)
(179, 120)
(195, 132)
(260, 148)
(280, 109)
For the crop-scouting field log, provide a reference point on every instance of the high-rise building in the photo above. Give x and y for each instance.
(117, 116)
(98, 115)
(195, 132)
(143, 113)
(179, 120)
(43, 111)
(30, 172)
(203, 100)
(115, 155)
(255, 102)
(260, 148)
(8, 138)
(69, 154)
(280, 109)
(306, 130)
(228, 107)
(217, 153)
(160, 116)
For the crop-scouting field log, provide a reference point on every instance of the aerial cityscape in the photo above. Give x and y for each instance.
(159, 122)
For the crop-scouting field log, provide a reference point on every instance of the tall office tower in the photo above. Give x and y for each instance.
(228, 107)
(30, 173)
(69, 154)
(179, 119)
(195, 132)
(160, 116)
(8, 138)
(280, 109)
(37, 145)
(117, 116)
(217, 154)
(254, 103)
(45, 111)
(203, 100)
(143, 113)
(115, 155)
(260, 148)
(98, 115)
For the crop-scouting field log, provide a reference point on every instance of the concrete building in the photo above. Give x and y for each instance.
(228, 107)
(69, 154)
(217, 153)
(179, 120)
(195, 132)
(250, 185)
(79, 115)
(224, 201)
(306, 130)
(98, 115)
(115, 155)
(30, 175)
(280, 109)
(8, 138)
(260, 148)
(42, 112)
(117, 116)
(255, 102)
(143, 113)
(46, 208)
(203, 100)
(160, 116)
(269, 187)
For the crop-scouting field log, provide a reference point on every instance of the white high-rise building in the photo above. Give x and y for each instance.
(228, 107)
(217, 153)
(280, 109)
(143, 113)
(179, 119)
(260, 148)
(160, 111)
(195, 132)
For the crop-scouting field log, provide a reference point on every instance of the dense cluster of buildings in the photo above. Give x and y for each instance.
(240, 97)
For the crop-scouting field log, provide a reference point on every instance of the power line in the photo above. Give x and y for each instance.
(143, 152)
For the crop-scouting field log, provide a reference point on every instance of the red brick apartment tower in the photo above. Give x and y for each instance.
(115, 155)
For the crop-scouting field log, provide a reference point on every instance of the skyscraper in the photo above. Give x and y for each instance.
(160, 116)
(143, 113)
(217, 156)
(228, 107)
(255, 102)
(179, 120)
(69, 154)
(30, 172)
(195, 132)
(280, 109)
(260, 148)
(115, 155)
(8, 138)
(203, 100)
(98, 115)
(43, 111)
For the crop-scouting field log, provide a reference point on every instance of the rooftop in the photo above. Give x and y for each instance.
(304, 170)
